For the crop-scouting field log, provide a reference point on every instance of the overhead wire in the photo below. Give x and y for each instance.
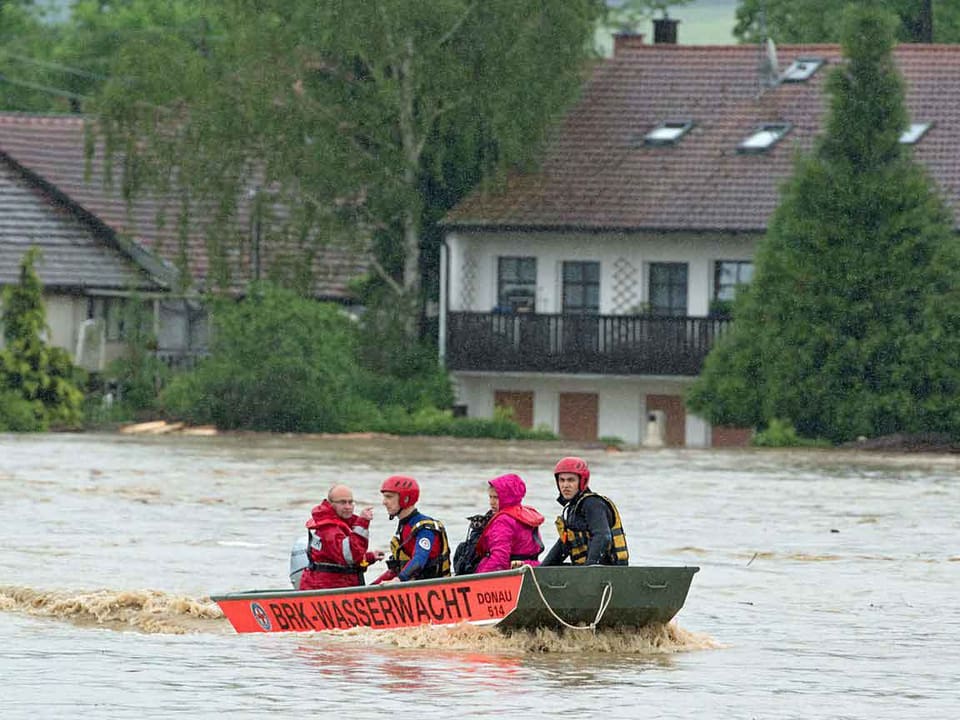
(53, 66)
(59, 91)
(49, 89)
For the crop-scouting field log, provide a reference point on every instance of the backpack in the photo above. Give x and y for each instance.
(465, 558)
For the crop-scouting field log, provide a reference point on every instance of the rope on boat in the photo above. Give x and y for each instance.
(605, 598)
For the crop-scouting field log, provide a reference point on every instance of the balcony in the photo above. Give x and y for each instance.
(604, 344)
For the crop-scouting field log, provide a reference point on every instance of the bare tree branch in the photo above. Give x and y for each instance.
(382, 272)
(455, 28)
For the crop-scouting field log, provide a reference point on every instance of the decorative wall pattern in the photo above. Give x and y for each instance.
(626, 285)
(468, 280)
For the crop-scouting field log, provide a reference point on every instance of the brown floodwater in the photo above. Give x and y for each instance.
(827, 587)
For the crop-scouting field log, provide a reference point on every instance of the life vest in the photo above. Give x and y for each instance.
(402, 548)
(314, 543)
(576, 539)
(526, 516)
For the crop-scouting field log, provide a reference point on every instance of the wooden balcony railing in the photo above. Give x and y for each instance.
(608, 344)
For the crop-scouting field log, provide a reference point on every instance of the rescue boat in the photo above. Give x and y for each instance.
(566, 596)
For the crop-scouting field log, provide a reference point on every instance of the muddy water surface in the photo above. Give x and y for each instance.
(828, 584)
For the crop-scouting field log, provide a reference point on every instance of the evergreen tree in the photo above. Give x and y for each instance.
(38, 373)
(852, 323)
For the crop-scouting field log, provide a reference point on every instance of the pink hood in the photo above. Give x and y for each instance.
(510, 490)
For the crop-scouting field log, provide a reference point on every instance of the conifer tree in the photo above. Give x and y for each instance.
(852, 323)
(40, 374)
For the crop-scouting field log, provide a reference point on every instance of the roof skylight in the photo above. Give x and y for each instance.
(667, 133)
(763, 138)
(801, 69)
(912, 135)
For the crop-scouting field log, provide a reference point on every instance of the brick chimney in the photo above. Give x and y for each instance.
(625, 41)
(665, 31)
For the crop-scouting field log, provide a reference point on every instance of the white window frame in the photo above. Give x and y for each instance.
(764, 137)
(912, 135)
(801, 69)
(668, 133)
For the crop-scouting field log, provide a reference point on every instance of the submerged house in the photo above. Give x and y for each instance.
(586, 296)
(99, 252)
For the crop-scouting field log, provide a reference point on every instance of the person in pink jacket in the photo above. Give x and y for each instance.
(512, 536)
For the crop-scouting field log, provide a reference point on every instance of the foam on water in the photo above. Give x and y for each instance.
(148, 611)
(658, 639)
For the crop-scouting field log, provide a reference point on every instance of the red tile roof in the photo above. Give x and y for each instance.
(598, 174)
(52, 148)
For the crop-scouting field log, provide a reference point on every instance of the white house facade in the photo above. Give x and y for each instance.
(621, 293)
(585, 296)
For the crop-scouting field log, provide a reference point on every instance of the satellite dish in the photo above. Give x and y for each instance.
(772, 56)
(769, 68)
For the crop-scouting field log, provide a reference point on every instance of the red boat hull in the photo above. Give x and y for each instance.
(476, 599)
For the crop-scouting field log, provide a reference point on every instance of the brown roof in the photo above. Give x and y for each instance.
(598, 174)
(51, 147)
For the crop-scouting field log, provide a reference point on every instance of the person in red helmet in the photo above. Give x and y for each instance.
(337, 543)
(419, 549)
(590, 530)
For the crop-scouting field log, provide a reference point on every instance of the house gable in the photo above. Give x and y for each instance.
(51, 147)
(78, 254)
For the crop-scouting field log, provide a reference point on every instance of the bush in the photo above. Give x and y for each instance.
(431, 421)
(17, 414)
(781, 433)
(99, 414)
(400, 369)
(139, 373)
(278, 362)
(431, 388)
(138, 378)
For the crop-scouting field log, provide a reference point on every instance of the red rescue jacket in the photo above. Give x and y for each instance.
(336, 549)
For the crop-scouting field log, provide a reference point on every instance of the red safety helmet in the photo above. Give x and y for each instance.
(575, 465)
(406, 487)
